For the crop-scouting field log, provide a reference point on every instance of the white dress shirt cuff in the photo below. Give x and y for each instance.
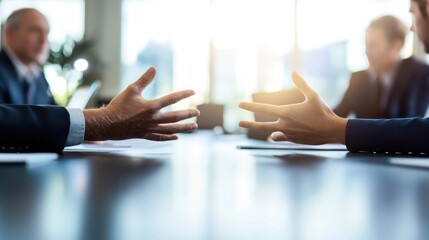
(77, 127)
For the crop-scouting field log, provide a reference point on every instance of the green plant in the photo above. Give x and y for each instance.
(63, 57)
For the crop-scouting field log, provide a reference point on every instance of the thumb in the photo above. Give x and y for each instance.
(145, 79)
(278, 136)
(302, 85)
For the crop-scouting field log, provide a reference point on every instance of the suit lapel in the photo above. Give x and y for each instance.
(400, 82)
(12, 84)
(39, 89)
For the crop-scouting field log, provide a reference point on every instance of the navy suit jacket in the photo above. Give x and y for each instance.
(409, 95)
(27, 128)
(11, 89)
(388, 135)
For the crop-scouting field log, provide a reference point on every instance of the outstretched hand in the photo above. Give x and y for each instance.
(129, 115)
(310, 122)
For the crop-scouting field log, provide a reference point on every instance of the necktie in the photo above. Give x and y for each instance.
(28, 91)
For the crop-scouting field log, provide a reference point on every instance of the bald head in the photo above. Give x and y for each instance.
(26, 35)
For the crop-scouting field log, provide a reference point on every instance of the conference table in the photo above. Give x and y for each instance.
(203, 187)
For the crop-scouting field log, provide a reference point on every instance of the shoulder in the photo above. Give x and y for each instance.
(359, 78)
(415, 65)
(6, 65)
(360, 74)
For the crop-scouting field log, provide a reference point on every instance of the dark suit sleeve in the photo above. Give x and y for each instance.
(388, 135)
(25, 128)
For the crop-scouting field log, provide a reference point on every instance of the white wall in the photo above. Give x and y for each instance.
(103, 24)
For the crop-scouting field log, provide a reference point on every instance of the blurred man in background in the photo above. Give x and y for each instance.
(25, 49)
(392, 87)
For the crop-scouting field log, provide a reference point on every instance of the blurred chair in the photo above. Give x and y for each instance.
(211, 116)
(284, 97)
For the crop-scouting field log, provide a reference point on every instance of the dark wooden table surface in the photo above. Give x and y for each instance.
(202, 187)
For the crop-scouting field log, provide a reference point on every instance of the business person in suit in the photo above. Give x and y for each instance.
(392, 87)
(30, 128)
(313, 122)
(25, 49)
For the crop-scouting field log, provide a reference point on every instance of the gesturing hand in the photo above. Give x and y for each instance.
(309, 122)
(129, 115)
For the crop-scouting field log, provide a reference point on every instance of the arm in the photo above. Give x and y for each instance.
(312, 122)
(129, 115)
(388, 135)
(33, 128)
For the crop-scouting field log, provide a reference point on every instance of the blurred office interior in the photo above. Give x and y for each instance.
(223, 49)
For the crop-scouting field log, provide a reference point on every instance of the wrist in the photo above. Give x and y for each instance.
(97, 123)
(339, 130)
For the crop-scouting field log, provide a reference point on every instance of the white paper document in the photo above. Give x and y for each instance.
(27, 158)
(412, 162)
(116, 146)
(291, 146)
(99, 148)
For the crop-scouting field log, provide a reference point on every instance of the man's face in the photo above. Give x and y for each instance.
(379, 50)
(29, 41)
(420, 24)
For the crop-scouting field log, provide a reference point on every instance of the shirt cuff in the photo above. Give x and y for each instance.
(77, 127)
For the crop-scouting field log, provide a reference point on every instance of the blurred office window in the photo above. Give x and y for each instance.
(252, 42)
(228, 49)
(240, 45)
(66, 21)
(174, 37)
